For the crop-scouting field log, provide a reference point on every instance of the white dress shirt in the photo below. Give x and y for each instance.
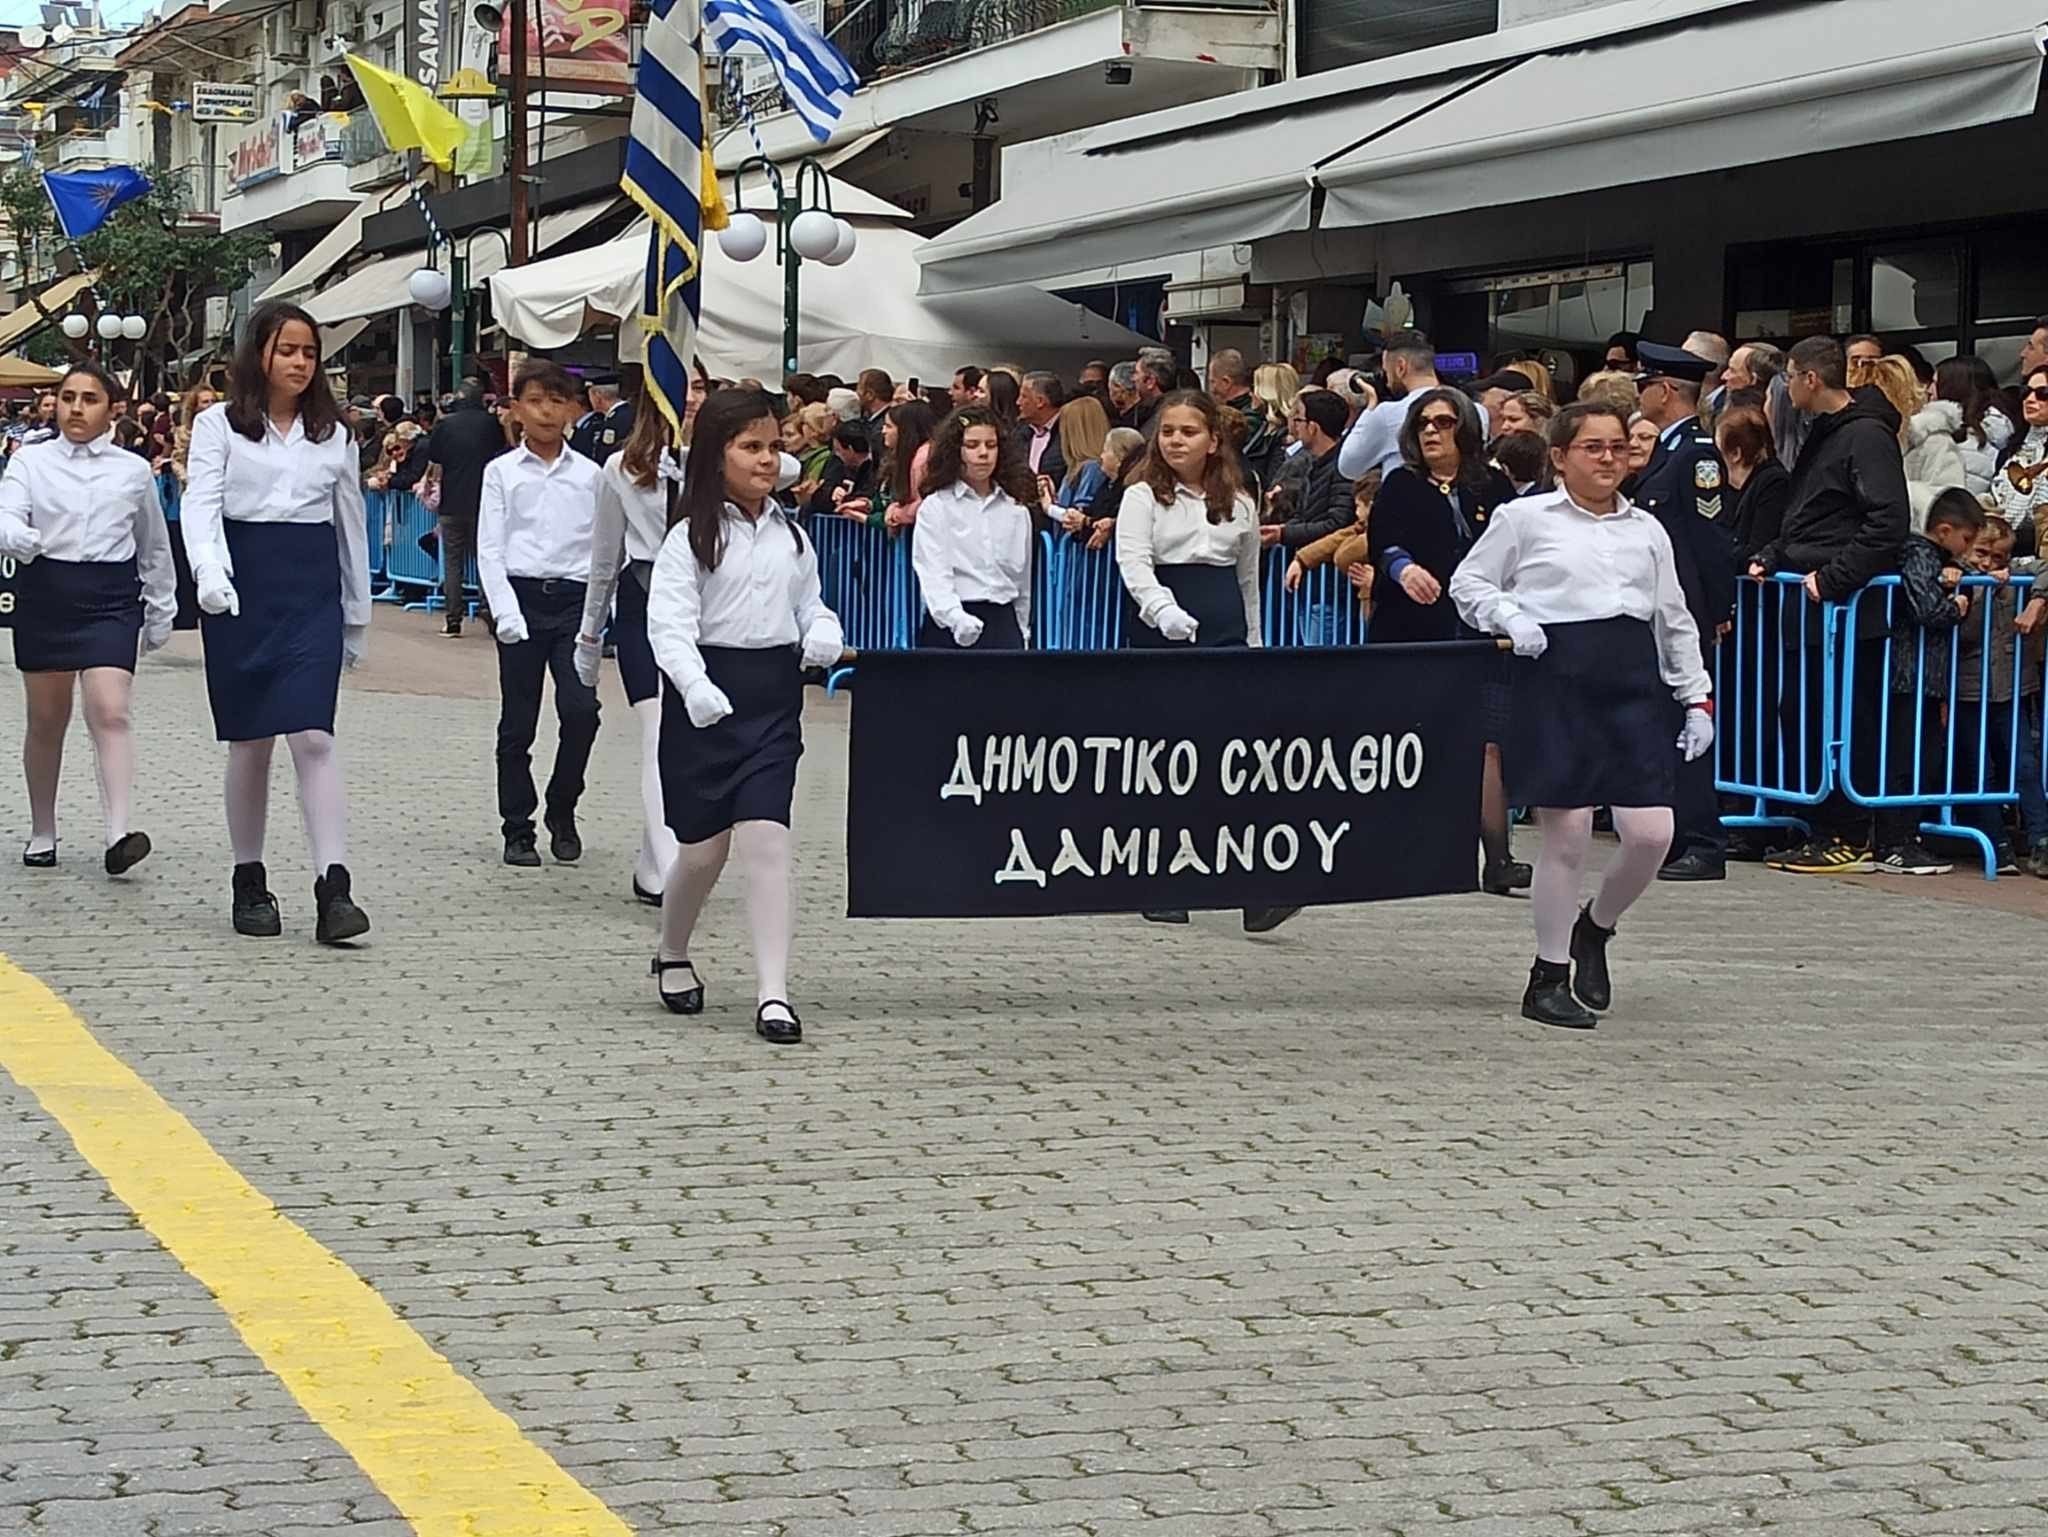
(629, 525)
(282, 477)
(92, 503)
(1548, 558)
(764, 593)
(967, 548)
(1149, 535)
(534, 520)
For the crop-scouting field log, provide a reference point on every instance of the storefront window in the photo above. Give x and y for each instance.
(1564, 310)
(1914, 288)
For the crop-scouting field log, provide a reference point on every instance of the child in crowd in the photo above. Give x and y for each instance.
(1990, 657)
(1925, 609)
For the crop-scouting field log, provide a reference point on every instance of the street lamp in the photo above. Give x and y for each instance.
(805, 229)
(435, 290)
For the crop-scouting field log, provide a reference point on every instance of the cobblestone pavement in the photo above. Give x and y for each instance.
(1060, 1228)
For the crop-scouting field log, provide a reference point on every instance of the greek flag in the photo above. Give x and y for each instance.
(814, 75)
(666, 174)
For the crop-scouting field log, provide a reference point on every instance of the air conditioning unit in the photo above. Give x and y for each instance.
(330, 48)
(283, 39)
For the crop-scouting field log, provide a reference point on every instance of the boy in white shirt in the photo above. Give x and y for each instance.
(533, 558)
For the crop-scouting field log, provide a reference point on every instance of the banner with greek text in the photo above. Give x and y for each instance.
(8, 571)
(1026, 784)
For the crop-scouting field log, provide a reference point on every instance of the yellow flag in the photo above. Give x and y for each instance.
(713, 196)
(407, 114)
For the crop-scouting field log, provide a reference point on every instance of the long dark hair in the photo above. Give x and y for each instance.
(1002, 397)
(249, 377)
(1473, 470)
(915, 423)
(702, 504)
(1013, 470)
(1222, 480)
(1970, 383)
(640, 459)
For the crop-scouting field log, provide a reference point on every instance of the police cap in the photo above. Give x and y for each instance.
(1656, 361)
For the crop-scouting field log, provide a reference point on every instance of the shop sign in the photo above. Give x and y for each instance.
(221, 101)
(315, 141)
(259, 157)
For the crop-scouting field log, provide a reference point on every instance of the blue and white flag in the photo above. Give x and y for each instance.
(814, 75)
(84, 200)
(665, 174)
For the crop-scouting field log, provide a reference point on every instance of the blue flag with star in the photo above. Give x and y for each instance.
(85, 199)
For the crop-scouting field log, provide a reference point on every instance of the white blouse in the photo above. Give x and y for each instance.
(92, 503)
(1179, 533)
(2014, 505)
(1549, 559)
(972, 549)
(281, 478)
(764, 593)
(631, 523)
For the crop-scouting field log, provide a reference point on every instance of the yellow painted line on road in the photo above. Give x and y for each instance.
(452, 1464)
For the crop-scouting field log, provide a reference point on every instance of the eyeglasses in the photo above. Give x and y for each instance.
(1438, 423)
(1610, 450)
(2038, 392)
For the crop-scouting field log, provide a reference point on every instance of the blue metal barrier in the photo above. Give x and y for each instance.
(170, 492)
(1777, 702)
(867, 581)
(1084, 609)
(413, 576)
(373, 521)
(1323, 611)
(1934, 748)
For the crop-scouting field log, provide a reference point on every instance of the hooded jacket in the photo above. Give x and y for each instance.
(1850, 512)
(1933, 460)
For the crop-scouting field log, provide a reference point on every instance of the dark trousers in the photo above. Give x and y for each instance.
(1837, 816)
(1916, 764)
(2001, 766)
(554, 613)
(458, 543)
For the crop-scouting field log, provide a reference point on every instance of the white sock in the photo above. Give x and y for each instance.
(1645, 833)
(690, 879)
(108, 691)
(1560, 867)
(248, 797)
(42, 755)
(323, 798)
(657, 843)
(763, 849)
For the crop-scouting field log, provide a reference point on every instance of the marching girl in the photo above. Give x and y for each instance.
(1586, 586)
(95, 578)
(1187, 547)
(631, 522)
(734, 615)
(972, 545)
(273, 523)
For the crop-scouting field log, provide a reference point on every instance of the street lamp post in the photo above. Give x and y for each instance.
(805, 228)
(430, 290)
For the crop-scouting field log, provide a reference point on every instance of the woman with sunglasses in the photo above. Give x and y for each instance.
(2021, 486)
(1586, 587)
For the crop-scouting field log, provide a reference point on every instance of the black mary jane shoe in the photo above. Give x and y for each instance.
(1589, 962)
(643, 896)
(1263, 920)
(778, 1032)
(126, 852)
(42, 859)
(340, 919)
(255, 908)
(1549, 1000)
(1166, 915)
(1506, 879)
(690, 1000)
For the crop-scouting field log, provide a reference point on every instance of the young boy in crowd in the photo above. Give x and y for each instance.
(1925, 610)
(851, 474)
(533, 557)
(1987, 667)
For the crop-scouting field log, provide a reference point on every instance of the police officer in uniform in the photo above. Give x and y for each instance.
(618, 416)
(1685, 487)
(585, 435)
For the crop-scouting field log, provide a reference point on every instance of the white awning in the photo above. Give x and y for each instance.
(1736, 88)
(44, 307)
(381, 286)
(1526, 113)
(332, 247)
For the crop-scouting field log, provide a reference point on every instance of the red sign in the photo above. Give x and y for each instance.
(258, 157)
(576, 45)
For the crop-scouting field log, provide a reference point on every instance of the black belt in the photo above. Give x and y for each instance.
(550, 585)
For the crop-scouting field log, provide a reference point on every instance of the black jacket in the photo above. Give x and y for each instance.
(1323, 506)
(1757, 513)
(1411, 514)
(1922, 605)
(462, 443)
(1684, 487)
(1849, 513)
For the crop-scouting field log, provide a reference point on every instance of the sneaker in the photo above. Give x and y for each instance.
(1911, 859)
(255, 909)
(452, 630)
(2008, 863)
(1826, 856)
(340, 920)
(2039, 861)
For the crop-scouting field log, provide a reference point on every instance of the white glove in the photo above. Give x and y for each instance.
(1176, 623)
(706, 703)
(355, 645)
(824, 645)
(1698, 736)
(512, 628)
(790, 473)
(966, 629)
(216, 592)
(24, 546)
(588, 654)
(1528, 636)
(155, 636)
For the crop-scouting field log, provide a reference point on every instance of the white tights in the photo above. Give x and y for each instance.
(1567, 836)
(107, 692)
(657, 843)
(323, 799)
(764, 850)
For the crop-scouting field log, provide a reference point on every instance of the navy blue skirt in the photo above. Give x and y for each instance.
(629, 638)
(1210, 593)
(275, 667)
(744, 768)
(1593, 722)
(73, 614)
(999, 630)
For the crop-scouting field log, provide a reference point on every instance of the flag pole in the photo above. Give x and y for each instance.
(515, 126)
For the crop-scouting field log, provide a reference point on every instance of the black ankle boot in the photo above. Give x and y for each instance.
(1589, 956)
(1549, 1000)
(255, 908)
(340, 918)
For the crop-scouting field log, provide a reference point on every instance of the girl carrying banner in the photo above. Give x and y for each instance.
(1586, 586)
(734, 615)
(274, 526)
(95, 580)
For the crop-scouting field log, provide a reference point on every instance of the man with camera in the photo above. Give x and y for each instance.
(1374, 441)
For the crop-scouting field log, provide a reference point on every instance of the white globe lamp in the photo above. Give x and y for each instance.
(429, 288)
(134, 327)
(109, 327)
(744, 238)
(76, 326)
(814, 234)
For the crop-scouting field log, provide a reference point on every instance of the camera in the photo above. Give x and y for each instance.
(1117, 72)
